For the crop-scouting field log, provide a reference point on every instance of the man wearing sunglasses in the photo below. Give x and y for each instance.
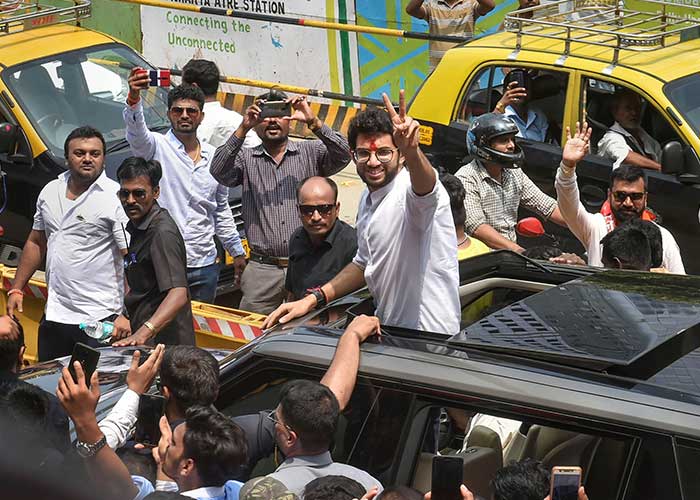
(627, 200)
(323, 245)
(194, 199)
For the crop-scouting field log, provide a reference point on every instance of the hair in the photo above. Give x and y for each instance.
(543, 252)
(311, 410)
(9, 350)
(191, 374)
(653, 234)
(134, 167)
(371, 121)
(329, 181)
(628, 173)
(203, 73)
(185, 91)
(622, 93)
(400, 493)
(524, 480)
(629, 245)
(333, 488)
(455, 189)
(84, 132)
(216, 444)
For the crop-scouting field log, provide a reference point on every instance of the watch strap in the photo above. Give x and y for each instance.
(87, 450)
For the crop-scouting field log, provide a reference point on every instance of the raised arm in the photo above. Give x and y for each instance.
(229, 160)
(416, 8)
(141, 140)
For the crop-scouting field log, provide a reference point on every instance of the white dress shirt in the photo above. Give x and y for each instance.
(591, 228)
(408, 250)
(119, 423)
(614, 146)
(84, 264)
(219, 123)
(197, 203)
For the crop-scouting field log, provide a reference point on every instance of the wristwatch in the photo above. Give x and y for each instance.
(320, 296)
(87, 450)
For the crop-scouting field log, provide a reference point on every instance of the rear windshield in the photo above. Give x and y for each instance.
(683, 93)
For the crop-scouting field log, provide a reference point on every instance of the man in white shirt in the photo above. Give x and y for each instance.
(627, 199)
(194, 199)
(407, 248)
(79, 229)
(626, 141)
(218, 123)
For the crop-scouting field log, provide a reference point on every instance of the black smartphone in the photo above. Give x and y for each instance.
(151, 408)
(274, 109)
(447, 478)
(565, 483)
(519, 76)
(88, 358)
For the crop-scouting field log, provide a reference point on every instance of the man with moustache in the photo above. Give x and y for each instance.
(197, 203)
(627, 200)
(78, 230)
(270, 174)
(407, 248)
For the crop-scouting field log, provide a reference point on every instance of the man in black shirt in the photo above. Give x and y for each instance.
(323, 245)
(158, 301)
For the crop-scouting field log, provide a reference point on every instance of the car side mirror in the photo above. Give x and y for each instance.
(530, 227)
(8, 138)
(673, 158)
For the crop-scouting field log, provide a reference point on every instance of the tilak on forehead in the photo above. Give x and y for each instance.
(372, 145)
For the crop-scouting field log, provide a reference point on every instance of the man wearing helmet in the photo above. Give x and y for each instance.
(495, 185)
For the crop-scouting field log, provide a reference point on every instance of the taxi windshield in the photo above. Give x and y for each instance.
(683, 93)
(82, 87)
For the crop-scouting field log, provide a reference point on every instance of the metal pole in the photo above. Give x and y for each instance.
(299, 21)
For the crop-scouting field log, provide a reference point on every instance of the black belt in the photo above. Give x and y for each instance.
(266, 259)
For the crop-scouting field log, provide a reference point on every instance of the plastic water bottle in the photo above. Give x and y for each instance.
(100, 330)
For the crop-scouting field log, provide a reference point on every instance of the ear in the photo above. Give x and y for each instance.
(187, 467)
(20, 357)
(337, 207)
(156, 192)
(166, 392)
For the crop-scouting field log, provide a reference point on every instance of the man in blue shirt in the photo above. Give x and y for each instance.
(194, 199)
(532, 122)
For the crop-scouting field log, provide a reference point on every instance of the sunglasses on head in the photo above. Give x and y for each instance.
(621, 196)
(178, 110)
(138, 194)
(323, 210)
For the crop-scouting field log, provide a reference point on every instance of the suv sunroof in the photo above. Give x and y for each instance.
(632, 324)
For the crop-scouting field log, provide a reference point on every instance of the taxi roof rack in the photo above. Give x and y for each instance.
(605, 23)
(18, 15)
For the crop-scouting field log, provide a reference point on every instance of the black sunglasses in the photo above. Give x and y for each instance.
(621, 196)
(138, 194)
(178, 110)
(323, 210)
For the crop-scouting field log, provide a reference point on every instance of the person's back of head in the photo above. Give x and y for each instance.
(653, 234)
(333, 488)
(311, 410)
(191, 376)
(11, 352)
(626, 247)
(524, 480)
(400, 493)
(202, 73)
(215, 443)
(265, 488)
(457, 193)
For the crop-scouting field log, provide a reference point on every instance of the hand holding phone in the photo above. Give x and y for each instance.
(151, 408)
(565, 483)
(87, 357)
(447, 478)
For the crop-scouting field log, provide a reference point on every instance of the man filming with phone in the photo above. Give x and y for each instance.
(270, 174)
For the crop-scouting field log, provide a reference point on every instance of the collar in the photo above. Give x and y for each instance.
(101, 181)
(205, 492)
(205, 148)
(616, 127)
(484, 174)
(146, 222)
(511, 113)
(330, 237)
(320, 460)
(375, 197)
(292, 148)
(443, 2)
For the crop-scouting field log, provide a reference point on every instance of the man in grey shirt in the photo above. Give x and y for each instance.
(305, 423)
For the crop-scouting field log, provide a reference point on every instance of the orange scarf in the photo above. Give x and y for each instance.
(610, 221)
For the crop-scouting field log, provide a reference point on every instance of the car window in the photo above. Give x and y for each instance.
(683, 93)
(541, 118)
(688, 455)
(654, 476)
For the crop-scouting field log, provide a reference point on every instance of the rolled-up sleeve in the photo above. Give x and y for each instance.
(333, 152)
(141, 140)
(225, 225)
(532, 198)
(229, 161)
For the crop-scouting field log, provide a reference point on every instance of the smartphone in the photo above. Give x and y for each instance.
(88, 358)
(272, 109)
(159, 78)
(565, 483)
(447, 478)
(520, 77)
(151, 408)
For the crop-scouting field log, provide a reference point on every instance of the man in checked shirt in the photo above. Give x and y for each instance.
(495, 185)
(269, 174)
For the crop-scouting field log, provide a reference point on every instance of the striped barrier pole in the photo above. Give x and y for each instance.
(297, 21)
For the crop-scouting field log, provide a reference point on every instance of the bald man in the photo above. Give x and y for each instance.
(323, 245)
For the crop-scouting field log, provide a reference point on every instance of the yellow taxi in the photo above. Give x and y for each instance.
(579, 55)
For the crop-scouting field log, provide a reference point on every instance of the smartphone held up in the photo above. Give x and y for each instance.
(447, 478)
(565, 483)
(151, 409)
(87, 357)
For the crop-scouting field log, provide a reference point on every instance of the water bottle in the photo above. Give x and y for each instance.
(100, 330)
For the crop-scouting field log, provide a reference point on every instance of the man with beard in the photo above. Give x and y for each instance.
(627, 199)
(197, 203)
(626, 141)
(270, 174)
(407, 248)
(78, 230)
